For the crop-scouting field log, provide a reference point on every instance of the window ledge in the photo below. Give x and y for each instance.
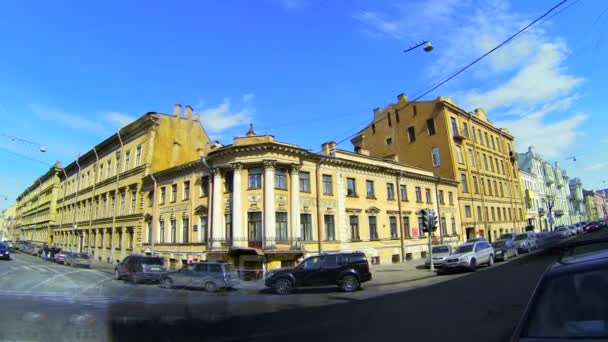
(371, 197)
(394, 238)
(353, 196)
(391, 199)
(356, 240)
(374, 239)
(419, 202)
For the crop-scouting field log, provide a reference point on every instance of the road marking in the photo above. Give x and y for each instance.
(53, 278)
(26, 268)
(96, 285)
(39, 269)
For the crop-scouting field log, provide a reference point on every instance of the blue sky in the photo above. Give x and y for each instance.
(73, 72)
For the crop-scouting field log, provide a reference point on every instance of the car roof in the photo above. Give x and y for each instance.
(596, 259)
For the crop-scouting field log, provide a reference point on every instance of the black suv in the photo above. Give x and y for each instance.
(347, 270)
(139, 268)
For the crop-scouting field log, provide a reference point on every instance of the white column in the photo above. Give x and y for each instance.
(269, 206)
(294, 209)
(237, 207)
(217, 231)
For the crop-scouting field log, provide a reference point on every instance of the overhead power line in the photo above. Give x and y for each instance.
(461, 70)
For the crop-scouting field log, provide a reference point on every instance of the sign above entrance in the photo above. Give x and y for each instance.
(176, 208)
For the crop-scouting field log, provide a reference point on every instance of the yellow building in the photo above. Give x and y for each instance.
(7, 224)
(36, 207)
(272, 203)
(100, 204)
(441, 137)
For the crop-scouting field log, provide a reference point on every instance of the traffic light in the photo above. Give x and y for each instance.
(432, 225)
(424, 215)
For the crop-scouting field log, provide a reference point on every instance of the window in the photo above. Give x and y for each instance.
(498, 214)
(459, 154)
(254, 175)
(305, 226)
(485, 162)
(304, 182)
(186, 195)
(520, 215)
(117, 163)
(502, 192)
(388, 118)
(504, 213)
(327, 185)
(127, 160)
(373, 228)
(430, 125)
(444, 226)
(123, 198)
(173, 231)
(465, 129)
(454, 127)
(203, 225)
(254, 227)
(478, 161)
(493, 145)
(463, 181)
(471, 159)
(502, 167)
(418, 194)
(133, 202)
(480, 136)
(354, 227)
(450, 198)
(112, 201)
(497, 169)
(479, 213)
(453, 226)
(473, 133)
(392, 222)
(282, 228)
(397, 115)
(151, 199)
(495, 189)
(414, 111)
(411, 132)
(390, 191)
(490, 187)
(420, 226)
(228, 227)
(487, 139)
(138, 156)
(228, 179)
(427, 193)
(280, 179)
(467, 211)
(406, 227)
(369, 186)
(173, 194)
(493, 214)
(373, 129)
(389, 141)
(185, 229)
(150, 232)
(475, 186)
(486, 210)
(403, 190)
(509, 214)
(351, 189)
(441, 201)
(330, 229)
(436, 157)
(204, 186)
(161, 229)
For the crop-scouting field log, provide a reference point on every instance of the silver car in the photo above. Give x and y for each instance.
(77, 260)
(208, 275)
(440, 253)
(470, 255)
(526, 242)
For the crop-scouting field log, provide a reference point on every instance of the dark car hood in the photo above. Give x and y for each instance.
(283, 270)
(3, 249)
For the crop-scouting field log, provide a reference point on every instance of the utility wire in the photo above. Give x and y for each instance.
(452, 76)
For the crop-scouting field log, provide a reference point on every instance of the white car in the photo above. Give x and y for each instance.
(470, 255)
(526, 242)
(562, 232)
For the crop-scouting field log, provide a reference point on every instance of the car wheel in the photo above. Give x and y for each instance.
(283, 286)
(349, 283)
(166, 283)
(210, 286)
(116, 275)
(491, 261)
(472, 265)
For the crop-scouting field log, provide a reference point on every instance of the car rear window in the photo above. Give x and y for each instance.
(354, 258)
(215, 268)
(441, 249)
(152, 261)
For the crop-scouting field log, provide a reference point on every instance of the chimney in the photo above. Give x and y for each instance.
(377, 112)
(481, 113)
(177, 109)
(188, 112)
(328, 148)
(196, 117)
(402, 98)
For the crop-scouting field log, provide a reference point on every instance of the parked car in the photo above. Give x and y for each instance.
(140, 268)
(562, 232)
(507, 236)
(477, 239)
(10, 244)
(526, 242)
(77, 259)
(54, 251)
(593, 227)
(469, 255)
(61, 256)
(504, 249)
(573, 229)
(569, 302)
(208, 275)
(439, 255)
(346, 270)
(5, 252)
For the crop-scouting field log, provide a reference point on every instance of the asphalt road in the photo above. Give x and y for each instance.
(47, 302)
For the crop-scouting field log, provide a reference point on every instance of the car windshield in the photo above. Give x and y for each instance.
(499, 244)
(464, 249)
(441, 249)
(571, 306)
(520, 237)
(152, 261)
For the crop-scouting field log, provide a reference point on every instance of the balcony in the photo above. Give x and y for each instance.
(461, 134)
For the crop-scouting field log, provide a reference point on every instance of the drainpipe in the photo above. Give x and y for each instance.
(119, 160)
(76, 200)
(154, 213)
(439, 212)
(65, 190)
(318, 197)
(93, 198)
(398, 178)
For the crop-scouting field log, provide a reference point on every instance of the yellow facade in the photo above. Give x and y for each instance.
(100, 204)
(440, 137)
(7, 224)
(266, 204)
(37, 206)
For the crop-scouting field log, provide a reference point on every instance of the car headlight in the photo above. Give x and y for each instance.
(463, 258)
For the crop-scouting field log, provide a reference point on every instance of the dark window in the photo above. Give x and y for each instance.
(330, 229)
(418, 194)
(282, 228)
(228, 182)
(185, 229)
(479, 213)
(475, 185)
(427, 193)
(327, 185)
(393, 226)
(304, 182)
(414, 110)
(161, 230)
(173, 231)
(465, 129)
(204, 186)
(490, 187)
(373, 228)
(254, 227)
(389, 141)
(403, 190)
(406, 226)
(441, 199)
(306, 227)
(369, 186)
(467, 210)
(444, 228)
(397, 115)
(390, 191)
(228, 227)
(411, 132)
(420, 226)
(430, 125)
(354, 227)
(463, 181)
(255, 178)
(214, 268)
(186, 191)
(388, 118)
(280, 179)
(351, 188)
(373, 129)
(454, 126)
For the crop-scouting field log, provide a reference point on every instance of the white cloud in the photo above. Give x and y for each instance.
(70, 120)
(119, 118)
(223, 117)
(597, 166)
(604, 141)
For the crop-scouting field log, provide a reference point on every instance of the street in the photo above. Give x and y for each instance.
(42, 299)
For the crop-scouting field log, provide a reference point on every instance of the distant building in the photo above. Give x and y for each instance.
(441, 137)
(7, 224)
(595, 203)
(577, 201)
